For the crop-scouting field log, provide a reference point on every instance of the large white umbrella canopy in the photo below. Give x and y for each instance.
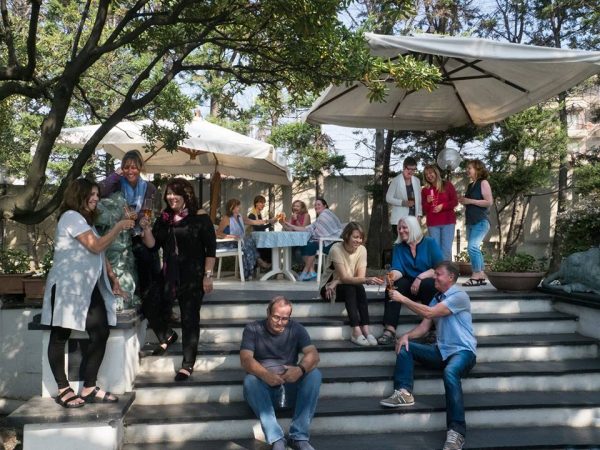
(208, 149)
(483, 82)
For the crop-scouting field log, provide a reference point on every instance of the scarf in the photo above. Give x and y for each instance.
(134, 196)
(170, 267)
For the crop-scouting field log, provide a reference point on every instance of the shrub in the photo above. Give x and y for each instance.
(14, 261)
(579, 226)
(520, 262)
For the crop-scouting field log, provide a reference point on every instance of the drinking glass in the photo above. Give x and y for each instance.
(147, 209)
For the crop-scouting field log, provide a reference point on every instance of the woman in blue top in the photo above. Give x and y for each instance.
(413, 259)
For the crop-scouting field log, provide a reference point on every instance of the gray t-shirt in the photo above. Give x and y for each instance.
(275, 350)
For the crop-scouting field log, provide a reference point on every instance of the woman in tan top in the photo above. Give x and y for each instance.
(344, 278)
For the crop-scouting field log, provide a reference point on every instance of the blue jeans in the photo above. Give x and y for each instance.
(303, 395)
(475, 234)
(456, 366)
(444, 236)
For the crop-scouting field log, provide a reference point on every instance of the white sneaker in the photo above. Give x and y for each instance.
(371, 340)
(360, 340)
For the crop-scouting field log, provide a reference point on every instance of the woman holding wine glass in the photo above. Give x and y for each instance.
(126, 186)
(439, 203)
(187, 239)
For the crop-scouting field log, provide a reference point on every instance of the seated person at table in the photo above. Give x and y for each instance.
(264, 260)
(300, 217)
(232, 226)
(269, 354)
(345, 274)
(413, 260)
(327, 224)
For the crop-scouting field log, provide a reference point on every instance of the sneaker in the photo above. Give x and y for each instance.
(311, 276)
(281, 444)
(303, 276)
(454, 440)
(386, 339)
(360, 340)
(398, 398)
(371, 340)
(301, 445)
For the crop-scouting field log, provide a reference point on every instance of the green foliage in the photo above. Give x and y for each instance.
(464, 256)
(579, 226)
(587, 179)
(311, 152)
(519, 262)
(13, 261)
(46, 262)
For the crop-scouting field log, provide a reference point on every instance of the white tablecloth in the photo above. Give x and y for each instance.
(273, 239)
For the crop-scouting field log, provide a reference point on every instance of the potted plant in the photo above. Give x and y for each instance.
(518, 272)
(463, 261)
(35, 285)
(14, 267)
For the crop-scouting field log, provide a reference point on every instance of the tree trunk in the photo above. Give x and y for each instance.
(378, 237)
(563, 181)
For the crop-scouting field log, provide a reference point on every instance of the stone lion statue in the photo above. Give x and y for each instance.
(579, 272)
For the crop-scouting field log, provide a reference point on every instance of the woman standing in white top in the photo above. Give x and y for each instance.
(404, 195)
(78, 293)
(344, 278)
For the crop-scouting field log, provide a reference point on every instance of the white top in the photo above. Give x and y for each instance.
(75, 272)
(396, 194)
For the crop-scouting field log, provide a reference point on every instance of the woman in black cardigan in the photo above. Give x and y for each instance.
(187, 238)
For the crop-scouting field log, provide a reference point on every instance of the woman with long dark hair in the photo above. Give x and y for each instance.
(188, 242)
(79, 295)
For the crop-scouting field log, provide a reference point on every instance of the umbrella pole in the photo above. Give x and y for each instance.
(215, 192)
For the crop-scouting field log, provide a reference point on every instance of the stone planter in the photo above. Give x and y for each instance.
(464, 268)
(12, 283)
(515, 281)
(34, 288)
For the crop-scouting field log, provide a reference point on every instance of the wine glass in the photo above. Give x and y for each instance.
(147, 209)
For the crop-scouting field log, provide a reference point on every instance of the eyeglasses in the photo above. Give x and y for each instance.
(280, 319)
(410, 169)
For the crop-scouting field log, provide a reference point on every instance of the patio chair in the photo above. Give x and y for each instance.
(236, 252)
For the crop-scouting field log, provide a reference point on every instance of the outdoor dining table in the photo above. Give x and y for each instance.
(278, 241)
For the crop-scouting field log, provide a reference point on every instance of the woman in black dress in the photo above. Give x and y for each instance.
(187, 238)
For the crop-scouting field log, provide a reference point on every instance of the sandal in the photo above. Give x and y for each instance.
(475, 282)
(92, 397)
(162, 350)
(387, 338)
(66, 402)
(182, 376)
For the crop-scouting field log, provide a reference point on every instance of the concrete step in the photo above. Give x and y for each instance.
(225, 386)
(513, 438)
(546, 347)
(336, 327)
(316, 307)
(209, 421)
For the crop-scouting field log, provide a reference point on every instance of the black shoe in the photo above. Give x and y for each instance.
(182, 376)
(162, 350)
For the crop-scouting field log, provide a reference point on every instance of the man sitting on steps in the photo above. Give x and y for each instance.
(269, 354)
(454, 351)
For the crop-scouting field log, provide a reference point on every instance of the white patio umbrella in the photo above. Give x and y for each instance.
(208, 149)
(484, 81)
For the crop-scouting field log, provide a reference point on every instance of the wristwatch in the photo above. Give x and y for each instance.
(208, 274)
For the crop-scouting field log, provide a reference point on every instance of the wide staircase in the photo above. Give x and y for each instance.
(536, 383)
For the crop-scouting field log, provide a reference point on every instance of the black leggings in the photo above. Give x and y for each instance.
(427, 291)
(355, 297)
(96, 325)
(157, 310)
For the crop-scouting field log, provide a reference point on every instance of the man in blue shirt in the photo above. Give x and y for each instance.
(454, 351)
(269, 354)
